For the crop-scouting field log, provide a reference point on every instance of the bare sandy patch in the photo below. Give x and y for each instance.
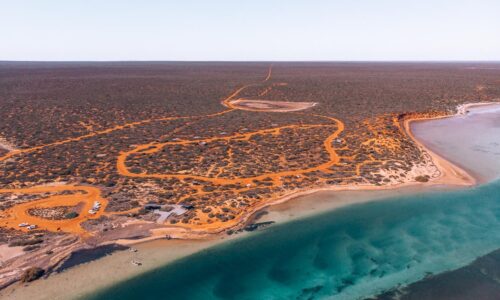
(7, 252)
(4, 144)
(270, 106)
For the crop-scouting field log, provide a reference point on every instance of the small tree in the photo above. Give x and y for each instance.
(424, 178)
(32, 274)
(71, 215)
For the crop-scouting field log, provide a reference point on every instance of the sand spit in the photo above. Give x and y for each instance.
(469, 140)
(449, 173)
(464, 108)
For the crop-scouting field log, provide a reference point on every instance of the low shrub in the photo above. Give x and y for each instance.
(32, 274)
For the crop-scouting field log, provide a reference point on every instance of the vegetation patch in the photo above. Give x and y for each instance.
(32, 274)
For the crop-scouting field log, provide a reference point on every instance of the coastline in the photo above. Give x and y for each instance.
(113, 268)
(462, 109)
(450, 175)
(481, 172)
(80, 280)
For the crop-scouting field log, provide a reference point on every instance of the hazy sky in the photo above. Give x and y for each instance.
(250, 30)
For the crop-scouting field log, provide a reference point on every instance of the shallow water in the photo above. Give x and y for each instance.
(471, 141)
(357, 251)
(350, 253)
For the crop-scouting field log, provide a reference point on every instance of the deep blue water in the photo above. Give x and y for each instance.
(349, 253)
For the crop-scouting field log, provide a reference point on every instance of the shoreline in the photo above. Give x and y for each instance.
(83, 279)
(450, 176)
(462, 109)
(450, 173)
(457, 166)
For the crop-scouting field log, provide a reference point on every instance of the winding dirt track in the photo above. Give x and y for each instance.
(105, 131)
(227, 101)
(18, 214)
(155, 147)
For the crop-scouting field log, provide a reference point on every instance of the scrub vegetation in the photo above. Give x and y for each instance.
(220, 139)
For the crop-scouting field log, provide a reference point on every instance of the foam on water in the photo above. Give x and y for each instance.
(349, 253)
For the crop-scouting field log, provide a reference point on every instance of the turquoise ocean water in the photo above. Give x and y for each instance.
(349, 253)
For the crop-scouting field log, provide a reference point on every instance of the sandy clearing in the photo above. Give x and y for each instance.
(4, 144)
(7, 253)
(12, 217)
(270, 106)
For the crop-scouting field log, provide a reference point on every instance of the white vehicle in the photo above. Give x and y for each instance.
(31, 227)
(23, 224)
(92, 212)
(97, 205)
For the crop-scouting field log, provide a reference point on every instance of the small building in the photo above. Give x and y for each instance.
(152, 206)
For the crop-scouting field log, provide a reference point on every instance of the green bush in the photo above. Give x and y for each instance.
(71, 215)
(424, 178)
(27, 242)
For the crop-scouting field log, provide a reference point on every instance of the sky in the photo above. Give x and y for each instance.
(223, 30)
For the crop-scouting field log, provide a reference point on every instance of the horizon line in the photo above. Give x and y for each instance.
(253, 61)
